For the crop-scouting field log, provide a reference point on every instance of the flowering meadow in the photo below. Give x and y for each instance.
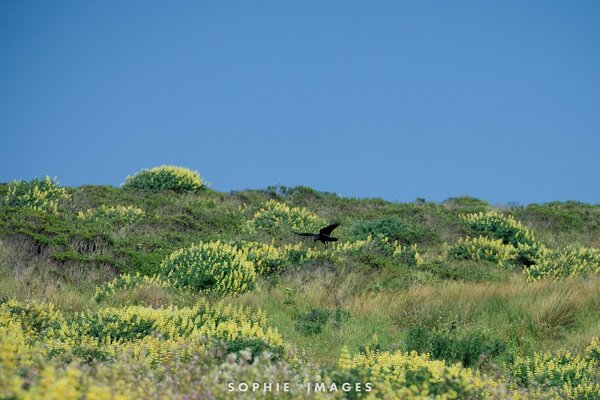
(166, 289)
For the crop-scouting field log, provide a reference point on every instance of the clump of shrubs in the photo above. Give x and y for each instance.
(408, 376)
(165, 177)
(275, 216)
(573, 376)
(500, 239)
(37, 194)
(113, 214)
(468, 347)
(215, 266)
(498, 226)
(564, 262)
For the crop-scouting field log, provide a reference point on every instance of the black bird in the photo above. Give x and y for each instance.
(324, 234)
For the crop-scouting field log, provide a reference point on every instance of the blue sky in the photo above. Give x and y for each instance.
(391, 99)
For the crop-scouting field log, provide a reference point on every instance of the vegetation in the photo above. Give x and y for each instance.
(165, 177)
(168, 289)
(37, 194)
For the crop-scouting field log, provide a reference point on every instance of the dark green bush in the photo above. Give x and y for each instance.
(395, 229)
(466, 348)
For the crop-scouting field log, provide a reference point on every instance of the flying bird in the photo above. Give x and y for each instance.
(324, 234)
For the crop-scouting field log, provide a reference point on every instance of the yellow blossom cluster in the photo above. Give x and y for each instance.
(165, 177)
(215, 266)
(483, 248)
(154, 335)
(564, 262)
(411, 376)
(38, 194)
(573, 376)
(274, 215)
(498, 226)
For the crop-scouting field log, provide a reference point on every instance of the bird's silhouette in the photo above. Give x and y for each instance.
(324, 234)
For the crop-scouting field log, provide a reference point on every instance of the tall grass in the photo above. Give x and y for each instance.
(542, 315)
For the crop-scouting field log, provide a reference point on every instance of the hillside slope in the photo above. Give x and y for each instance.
(149, 285)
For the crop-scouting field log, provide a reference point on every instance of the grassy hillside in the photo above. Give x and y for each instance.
(496, 302)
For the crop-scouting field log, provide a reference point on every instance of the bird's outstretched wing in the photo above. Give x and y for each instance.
(328, 229)
(304, 234)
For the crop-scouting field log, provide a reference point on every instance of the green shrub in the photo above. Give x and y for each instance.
(393, 228)
(312, 322)
(38, 194)
(275, 216)
(214, 266)
(113, 214)
(564, 262)
(165, 177)
(466, 348)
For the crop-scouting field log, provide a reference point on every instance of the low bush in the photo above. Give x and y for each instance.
(214, 266)
(112, 214)
(165, 177)
(312, 322)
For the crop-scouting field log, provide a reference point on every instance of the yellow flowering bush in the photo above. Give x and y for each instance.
(47, 361)
(505, 228)
(274, 215)
(499, 226)
(143, 331)
(215, 266)
(564, 262)
(574, 376)
(165, 177)
(112, 214)
(401, 375)
(592, 352)
(38, 194)
(267, 258)
(482, 248)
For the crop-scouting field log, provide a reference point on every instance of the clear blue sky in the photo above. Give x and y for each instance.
(393, 99)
